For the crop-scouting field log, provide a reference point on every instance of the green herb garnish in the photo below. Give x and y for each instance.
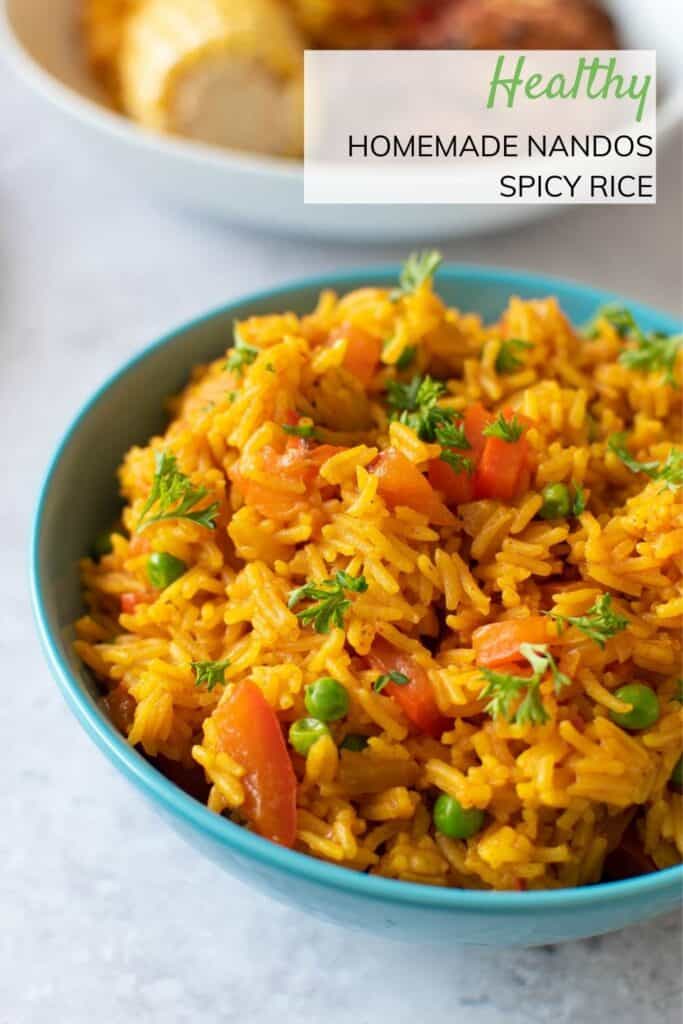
(458, 462)
(506, 360)
(329, 601)
(175, 497)
(390, 677)
(671, 473)
(299, 429)
(415, 404)
(210, 673)
(599, 623)
(652, 350)
(406, 358)
(504, 689)
(243, 354)
(506, 430)
(620, 318)
(617, 444)
(418, 268)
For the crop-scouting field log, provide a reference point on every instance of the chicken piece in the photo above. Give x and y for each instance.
(225, 72)
(518, 25)
(355, 24)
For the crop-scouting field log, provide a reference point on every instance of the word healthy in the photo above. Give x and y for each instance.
(594, 79)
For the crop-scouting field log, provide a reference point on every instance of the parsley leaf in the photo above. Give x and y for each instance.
(458, 462)
(451, 434)
(299, 429)
(651, 350)
(415, 404)
(175, 497)
(671, 473)
(619, 317)
(506, 430)
(390, 677)
(418, 268)
(617, 444)
(417, 393)
(506, 360)
(654, 351)
(599, 623)
(504, 689)
(329, 600)
(406, 358)
(210, 673)
(243, 354)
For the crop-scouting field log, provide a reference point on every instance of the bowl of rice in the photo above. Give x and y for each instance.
(377, 597)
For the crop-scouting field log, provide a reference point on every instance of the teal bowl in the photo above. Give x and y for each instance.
(127, 410)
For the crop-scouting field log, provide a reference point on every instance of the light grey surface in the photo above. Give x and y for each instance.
(104, 914)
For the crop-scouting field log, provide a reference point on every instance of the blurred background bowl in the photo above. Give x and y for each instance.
(42, 38)
(85, 464)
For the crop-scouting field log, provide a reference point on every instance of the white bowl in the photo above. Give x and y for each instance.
(41, 37)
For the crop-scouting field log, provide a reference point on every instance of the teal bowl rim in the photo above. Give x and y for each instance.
(235, 837)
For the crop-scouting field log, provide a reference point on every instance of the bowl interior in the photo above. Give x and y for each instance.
(79, 499)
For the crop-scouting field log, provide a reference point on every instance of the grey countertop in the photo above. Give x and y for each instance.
(104, 914)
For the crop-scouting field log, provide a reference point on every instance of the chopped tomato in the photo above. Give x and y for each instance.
(503, 469)
(301, 460)
(455, 487)
(401, 483)
(131, 599)
(363, 351)
(248, 730)
(476, 419)
(416, 698)
(139, 544)
(499, 642)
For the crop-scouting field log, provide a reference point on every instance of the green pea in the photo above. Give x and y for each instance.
(454, 821)
(354, 741)
(556, 502)
(163, 569)
(644, 707)
(305, 732)
(676, 779)
(326, 699)
(103, 545)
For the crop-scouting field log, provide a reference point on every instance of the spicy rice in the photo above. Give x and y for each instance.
(562, 796)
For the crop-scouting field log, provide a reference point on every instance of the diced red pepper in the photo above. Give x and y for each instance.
(249, 731)
(401, 483)
(131, 599)
(504, 467)
(499, 642)
(301, 460)
(456, 488)
(416, 698)
(363, 351)
(476, 419)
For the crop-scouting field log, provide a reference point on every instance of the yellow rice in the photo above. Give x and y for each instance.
(558, 797)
